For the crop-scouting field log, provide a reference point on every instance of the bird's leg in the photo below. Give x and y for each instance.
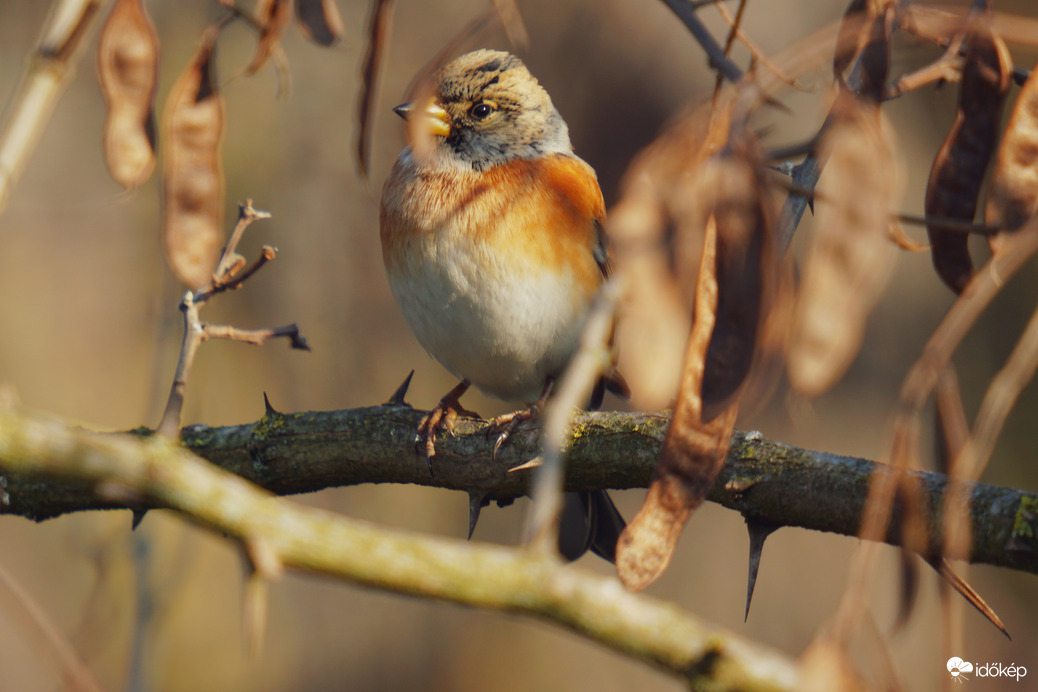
(508, 423)
(442, 417)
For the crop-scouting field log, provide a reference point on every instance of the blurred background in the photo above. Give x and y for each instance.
(91, 331)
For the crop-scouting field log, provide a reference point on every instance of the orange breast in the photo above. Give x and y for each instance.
(540, 212)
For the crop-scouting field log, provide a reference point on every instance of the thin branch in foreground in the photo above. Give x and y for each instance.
(50, 69)
(314, 540)
(592, 358)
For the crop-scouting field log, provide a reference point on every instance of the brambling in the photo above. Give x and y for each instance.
(493, 244)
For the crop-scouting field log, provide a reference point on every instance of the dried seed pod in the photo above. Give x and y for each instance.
(692, 450)
(1013, 195)
(127, 68)
(193, 188)
(850, 255)
(272, 16)
(730, 209)
(958, 169)
(320, 21)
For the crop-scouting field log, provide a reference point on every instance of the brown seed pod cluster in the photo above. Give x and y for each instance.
(127, 68)
(958, 169)
(193, 185)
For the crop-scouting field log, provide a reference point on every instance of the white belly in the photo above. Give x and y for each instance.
(504, 331)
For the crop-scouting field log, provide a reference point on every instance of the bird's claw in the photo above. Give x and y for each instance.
(508, 424)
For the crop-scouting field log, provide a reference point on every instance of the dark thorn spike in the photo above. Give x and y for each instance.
(477, 501)
(759, 532)
(268, 409)
(138, 517)
(397, 399)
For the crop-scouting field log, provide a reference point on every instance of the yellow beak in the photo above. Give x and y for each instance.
(435, 117)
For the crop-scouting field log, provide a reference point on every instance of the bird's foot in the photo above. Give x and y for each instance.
(441, 419)
(508, 423)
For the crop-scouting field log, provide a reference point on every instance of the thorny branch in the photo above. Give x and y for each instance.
(764, 480)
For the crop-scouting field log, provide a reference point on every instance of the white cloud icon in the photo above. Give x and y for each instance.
(956, 666)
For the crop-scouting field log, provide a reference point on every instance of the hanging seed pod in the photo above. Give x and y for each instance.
(193, 189)
(127, 69)
(320, 21)
(958, 169)
(731, 211)
(272, 16)
(850, 255)
(1013, 195)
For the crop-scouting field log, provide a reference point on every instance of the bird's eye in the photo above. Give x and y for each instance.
(481, 110)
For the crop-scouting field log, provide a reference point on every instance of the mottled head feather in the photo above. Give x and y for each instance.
(497, 112)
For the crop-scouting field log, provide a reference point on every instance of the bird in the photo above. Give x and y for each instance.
(492, 233)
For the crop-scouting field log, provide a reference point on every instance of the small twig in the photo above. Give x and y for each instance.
(943, 223)
(758, 55)
(947, 224)
(230, 260)
(256, 336)
(947, 68)
(226, 277)
(269, 253)
(194, 334)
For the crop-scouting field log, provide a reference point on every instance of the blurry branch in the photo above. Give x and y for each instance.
(686, 12)
(50, 68)
(303, 452)
(278, 533)
(43, 635)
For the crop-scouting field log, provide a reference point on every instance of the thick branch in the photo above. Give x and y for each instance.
(284, 533)
(766, 481)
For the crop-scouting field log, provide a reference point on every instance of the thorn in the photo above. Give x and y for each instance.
(531, 464)
(138, 517)
(759, 532)
(397, 399)
(477, 501)
(268, 409)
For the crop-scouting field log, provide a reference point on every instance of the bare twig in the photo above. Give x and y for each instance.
(758, 55)
(226, 277)
(51, 67)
